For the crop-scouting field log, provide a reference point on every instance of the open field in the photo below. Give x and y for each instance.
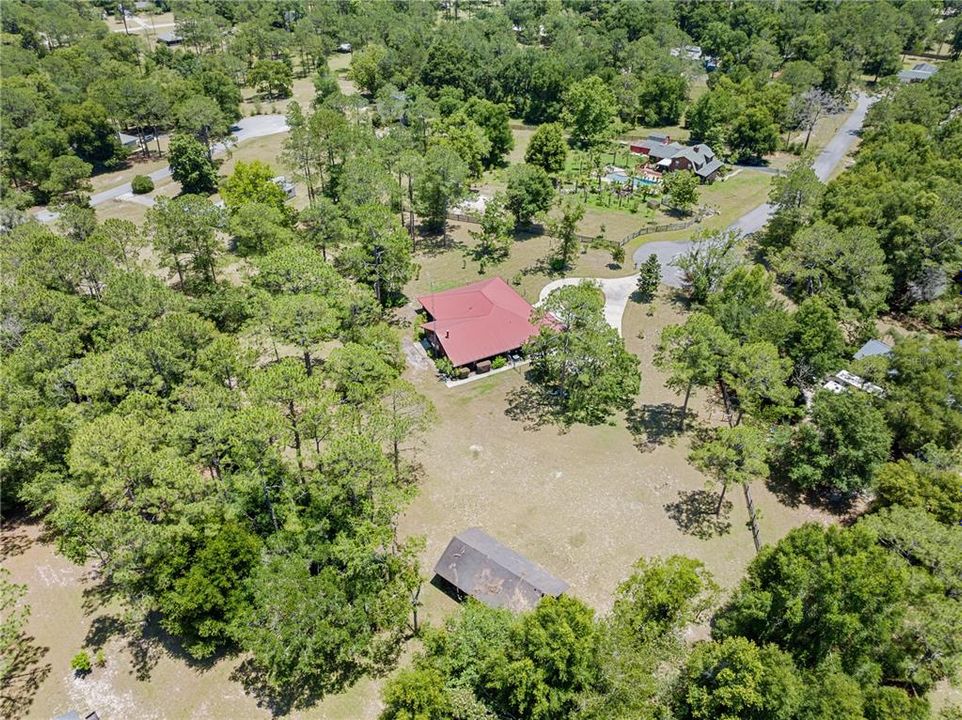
(587, 502)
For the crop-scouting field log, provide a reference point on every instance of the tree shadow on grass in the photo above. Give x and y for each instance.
(254, 681)
(679, 299)
(434, 244)
(694, 514)
(14, 543)
(26, 673)
(146, 640)
(653, 425)
(843, 505)
(544, 266)
(532, 406)
(297, 695)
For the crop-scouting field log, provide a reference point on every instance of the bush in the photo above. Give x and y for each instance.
(419, 320)
(444, 366)
(81, 663)
(499, 362)
(141, 184)
(100, 658)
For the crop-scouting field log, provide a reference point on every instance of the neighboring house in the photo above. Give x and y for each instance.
(873, 348)
(169, 38)
(692, 52)
(657, 146)
(477, 322)
(131, 142)
(921, 71)
(476, 564)
(668, 156)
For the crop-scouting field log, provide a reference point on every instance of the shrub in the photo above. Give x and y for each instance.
(141, 184)
(499, 362)
(81, 663)
(100, 658)
(445, 366)
(419, 320)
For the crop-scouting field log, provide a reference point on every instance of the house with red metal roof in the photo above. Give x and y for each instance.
(478, 321)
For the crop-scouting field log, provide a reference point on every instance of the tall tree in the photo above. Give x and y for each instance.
(184, 233)
(924, 379)
(590, 109)
(494, 238)
(649, 276)
(252, 182)
(565, 232)
(441, 184)
(735, 456)
(736, 680)
(710, 258)
(694, 355)
(191, 166)
(529, 192)
(681, 190)
(580, 359)
(547, 148)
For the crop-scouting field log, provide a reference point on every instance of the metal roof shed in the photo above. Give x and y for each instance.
(478, 565)
(873, 348)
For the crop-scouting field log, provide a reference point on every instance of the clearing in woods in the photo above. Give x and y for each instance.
(585, 502)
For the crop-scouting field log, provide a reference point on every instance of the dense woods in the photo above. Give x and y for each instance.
(224, 431)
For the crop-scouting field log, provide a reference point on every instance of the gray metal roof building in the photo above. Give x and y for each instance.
(920, 71)
(872, 348)
(478, 565)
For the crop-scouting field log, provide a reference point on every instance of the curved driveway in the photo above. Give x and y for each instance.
(617, 293)
(245, 129)
(618, 290)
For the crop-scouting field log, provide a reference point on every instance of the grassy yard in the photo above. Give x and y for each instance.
(733, 198)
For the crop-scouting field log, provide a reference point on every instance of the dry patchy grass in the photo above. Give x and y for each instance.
(585, 502)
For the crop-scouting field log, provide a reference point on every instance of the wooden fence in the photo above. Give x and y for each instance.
(669, 227)
(538, 229)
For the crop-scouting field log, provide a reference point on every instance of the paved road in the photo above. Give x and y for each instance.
(755, 219)
(245, 129)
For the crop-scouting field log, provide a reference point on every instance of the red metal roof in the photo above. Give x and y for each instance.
(479, 320)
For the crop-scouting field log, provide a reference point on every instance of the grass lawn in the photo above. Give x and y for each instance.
(587, 502)
(733, 198)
